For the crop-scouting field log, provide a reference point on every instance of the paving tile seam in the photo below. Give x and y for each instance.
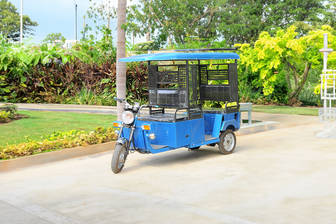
(220, 217)
(23, 211)
(38, 211)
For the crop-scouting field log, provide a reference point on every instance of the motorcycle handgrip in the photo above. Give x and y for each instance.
(119, 99)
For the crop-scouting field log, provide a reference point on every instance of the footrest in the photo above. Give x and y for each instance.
(158, 146)
(208, 137)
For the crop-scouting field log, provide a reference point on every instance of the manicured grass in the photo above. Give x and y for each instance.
(312, 111)
(41, 123)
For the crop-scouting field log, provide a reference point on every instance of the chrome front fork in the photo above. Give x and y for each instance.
(124, 141)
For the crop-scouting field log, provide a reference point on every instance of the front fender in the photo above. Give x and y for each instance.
(121, 141)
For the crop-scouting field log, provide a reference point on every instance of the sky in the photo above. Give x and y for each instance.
(58, 16)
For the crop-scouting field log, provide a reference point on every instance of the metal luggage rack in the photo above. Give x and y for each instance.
(170, 115)
(230, 109)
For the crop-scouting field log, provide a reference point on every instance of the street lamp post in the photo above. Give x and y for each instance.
(75, 19)
(21, 22)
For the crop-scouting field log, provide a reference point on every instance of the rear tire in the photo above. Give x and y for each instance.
(227, 142)
(119, 158)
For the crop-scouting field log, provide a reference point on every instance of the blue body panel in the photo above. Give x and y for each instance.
(187, 133)
(181, 56)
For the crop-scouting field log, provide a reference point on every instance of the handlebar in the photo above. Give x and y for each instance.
(120, 100)
(128, 106)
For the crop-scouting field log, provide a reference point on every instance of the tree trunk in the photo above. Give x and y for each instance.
(299, 88)
(294, 90)
(148, 36)
(121, 66)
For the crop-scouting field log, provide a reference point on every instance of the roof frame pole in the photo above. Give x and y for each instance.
(187, 90)
(199, 85)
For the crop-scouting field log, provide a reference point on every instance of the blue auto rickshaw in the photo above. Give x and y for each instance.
(179, 85)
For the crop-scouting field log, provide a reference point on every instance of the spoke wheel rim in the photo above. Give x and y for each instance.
(228, 142)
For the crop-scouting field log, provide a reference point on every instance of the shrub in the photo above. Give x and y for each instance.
(4, 116)
(7, 112)
(58, 140)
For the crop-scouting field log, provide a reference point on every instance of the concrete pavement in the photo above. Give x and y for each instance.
(284, 175)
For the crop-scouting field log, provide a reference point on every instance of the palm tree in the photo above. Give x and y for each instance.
(121, 66)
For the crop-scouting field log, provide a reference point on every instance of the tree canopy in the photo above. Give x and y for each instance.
(53, 37)
(243, 21)
(284, 56)
(10, 22)
(231, 20)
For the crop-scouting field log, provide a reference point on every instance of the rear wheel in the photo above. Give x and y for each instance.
(119, 158)
(227, 142)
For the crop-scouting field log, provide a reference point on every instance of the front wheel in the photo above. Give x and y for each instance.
(119, 158)
(227, 142)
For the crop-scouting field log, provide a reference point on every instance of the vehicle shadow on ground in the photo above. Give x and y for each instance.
(181, 157)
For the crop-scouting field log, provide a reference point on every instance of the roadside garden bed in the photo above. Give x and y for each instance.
(58, 140)
(44, 131)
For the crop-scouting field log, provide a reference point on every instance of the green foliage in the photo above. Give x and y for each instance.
(88, 97)
(243, 21)
(7, 112)
(10, 108)
(144, 47)
(199, 43)
(233, 21)
(308, 97)
(10, 22)
(85, 73)
(175, 19)
(275, 109)
(58, 140)
(41, 123)
(4, 116)
(284, 57)
(54, 38)
(101, 14)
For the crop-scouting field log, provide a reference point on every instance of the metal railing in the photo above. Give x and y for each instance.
(247, 107)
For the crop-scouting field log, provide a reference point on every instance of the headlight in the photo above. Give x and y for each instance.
(127, 117)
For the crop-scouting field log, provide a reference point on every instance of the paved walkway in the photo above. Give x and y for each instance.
(68, 107)
(284, 175)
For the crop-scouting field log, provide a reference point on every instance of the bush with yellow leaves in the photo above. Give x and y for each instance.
(58, 140)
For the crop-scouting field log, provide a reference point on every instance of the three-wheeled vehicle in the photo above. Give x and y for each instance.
(179, 83)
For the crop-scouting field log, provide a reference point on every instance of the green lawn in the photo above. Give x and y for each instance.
(313, 111)
(41, 123)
